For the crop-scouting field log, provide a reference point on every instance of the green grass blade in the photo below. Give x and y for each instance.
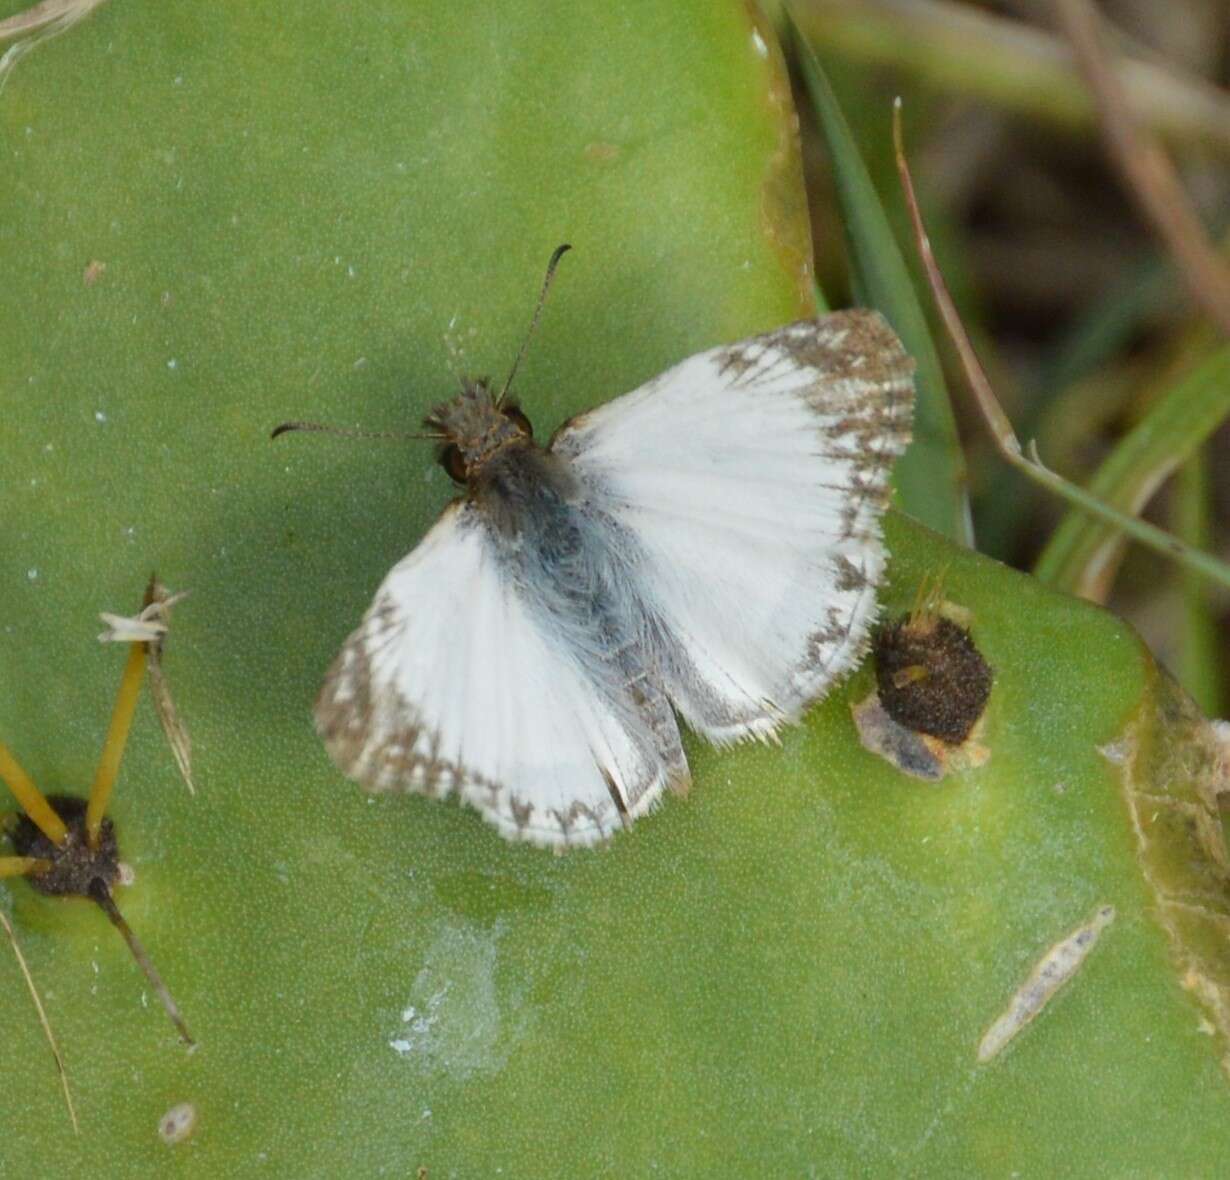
(1105, 330)
(930, 477)
(1199, 663)
(1080, 552)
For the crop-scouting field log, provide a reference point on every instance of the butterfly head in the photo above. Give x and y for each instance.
(475, 425)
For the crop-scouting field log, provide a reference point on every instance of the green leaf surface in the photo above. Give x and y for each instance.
(329, 216)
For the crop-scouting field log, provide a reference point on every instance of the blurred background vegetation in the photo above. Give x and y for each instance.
(1078, 311)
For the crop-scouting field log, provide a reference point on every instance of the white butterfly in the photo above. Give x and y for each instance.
(709, 541)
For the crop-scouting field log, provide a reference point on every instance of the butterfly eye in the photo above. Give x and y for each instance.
(453, 461)
(514, 415)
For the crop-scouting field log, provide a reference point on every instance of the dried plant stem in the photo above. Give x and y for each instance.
(42, 1018)
(997, 421)
(1150, 177)
(159, 601)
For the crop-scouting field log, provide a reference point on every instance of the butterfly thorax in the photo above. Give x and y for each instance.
(476, 425)
(522, 490)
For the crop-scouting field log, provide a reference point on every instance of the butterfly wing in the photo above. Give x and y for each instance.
(749, 482)
(449, 684)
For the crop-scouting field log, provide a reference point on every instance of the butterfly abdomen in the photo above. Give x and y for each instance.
(565, 568)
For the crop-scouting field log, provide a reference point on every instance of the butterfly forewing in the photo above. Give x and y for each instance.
(752, 478)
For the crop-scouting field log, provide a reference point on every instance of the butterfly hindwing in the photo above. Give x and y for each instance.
(749, 480)
(450, 684)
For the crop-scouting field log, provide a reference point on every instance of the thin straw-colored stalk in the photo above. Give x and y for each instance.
(1001, 429)
(42, 1019)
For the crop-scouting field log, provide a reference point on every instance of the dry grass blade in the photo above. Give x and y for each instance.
(997, 421)
(42, 1017)
(1150, 177)
(159, 599)
(168, 717)
(1003, 62)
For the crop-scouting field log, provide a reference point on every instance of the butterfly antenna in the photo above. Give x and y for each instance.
(559, 253)
(321, 428)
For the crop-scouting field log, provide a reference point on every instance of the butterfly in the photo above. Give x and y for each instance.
(705, 547)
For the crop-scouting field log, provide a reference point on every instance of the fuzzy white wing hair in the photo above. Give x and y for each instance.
(750, 481)
(448, 685)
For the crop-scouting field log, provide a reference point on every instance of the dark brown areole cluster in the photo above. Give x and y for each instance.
(931, 676)
(75, 865)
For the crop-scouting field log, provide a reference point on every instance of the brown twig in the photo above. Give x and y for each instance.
(1148, 173)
